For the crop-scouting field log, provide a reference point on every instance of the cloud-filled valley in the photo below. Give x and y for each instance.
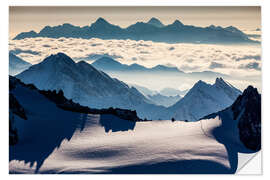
(240, 61)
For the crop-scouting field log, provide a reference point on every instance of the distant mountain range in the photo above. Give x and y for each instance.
(16, 64)
(88, 86)
(173, 92)
(109, 65)
(165, 92)
(152, 30)
(162, 100)
(166, 97)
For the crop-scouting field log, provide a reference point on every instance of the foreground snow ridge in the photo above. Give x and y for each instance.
(53, 140)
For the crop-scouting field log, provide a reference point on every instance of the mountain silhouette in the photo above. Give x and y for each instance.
(153, 30)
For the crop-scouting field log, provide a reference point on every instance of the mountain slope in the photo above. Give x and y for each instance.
(203, 99)
(16, 64)
(84, 84)
(153, 30)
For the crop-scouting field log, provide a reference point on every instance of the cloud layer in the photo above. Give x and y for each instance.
(229, 59)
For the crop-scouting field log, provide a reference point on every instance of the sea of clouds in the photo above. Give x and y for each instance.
(235, 60)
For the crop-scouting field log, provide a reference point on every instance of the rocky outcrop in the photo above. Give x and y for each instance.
(247, 110)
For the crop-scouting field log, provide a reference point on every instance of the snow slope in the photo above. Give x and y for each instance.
(16, 64)
(52, 140)
(203, 99)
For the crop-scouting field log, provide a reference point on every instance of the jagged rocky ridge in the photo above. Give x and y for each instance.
(153, 30)
(14, 108)
(245, 112)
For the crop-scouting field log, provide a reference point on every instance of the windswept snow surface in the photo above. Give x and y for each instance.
(52, 140)
(151, 147)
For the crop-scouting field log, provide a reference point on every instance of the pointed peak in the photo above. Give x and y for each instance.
(219, 80)
(101, 20)
(177, 23)
(199, 83)
(155, 22)
(221, 83)
(59, 57)
(250, 90)
(154, 19)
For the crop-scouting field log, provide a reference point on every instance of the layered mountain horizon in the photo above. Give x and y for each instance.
(88, 86)
(153, 30)
(110, 65)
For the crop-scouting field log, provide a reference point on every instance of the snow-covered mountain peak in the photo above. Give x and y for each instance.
(204, 98)
(227, 87)
(200, 84)
(59, 58)
(220, 82)
(86, 85)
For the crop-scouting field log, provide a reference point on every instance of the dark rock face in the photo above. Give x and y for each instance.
(17, 109)
(247, 109)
